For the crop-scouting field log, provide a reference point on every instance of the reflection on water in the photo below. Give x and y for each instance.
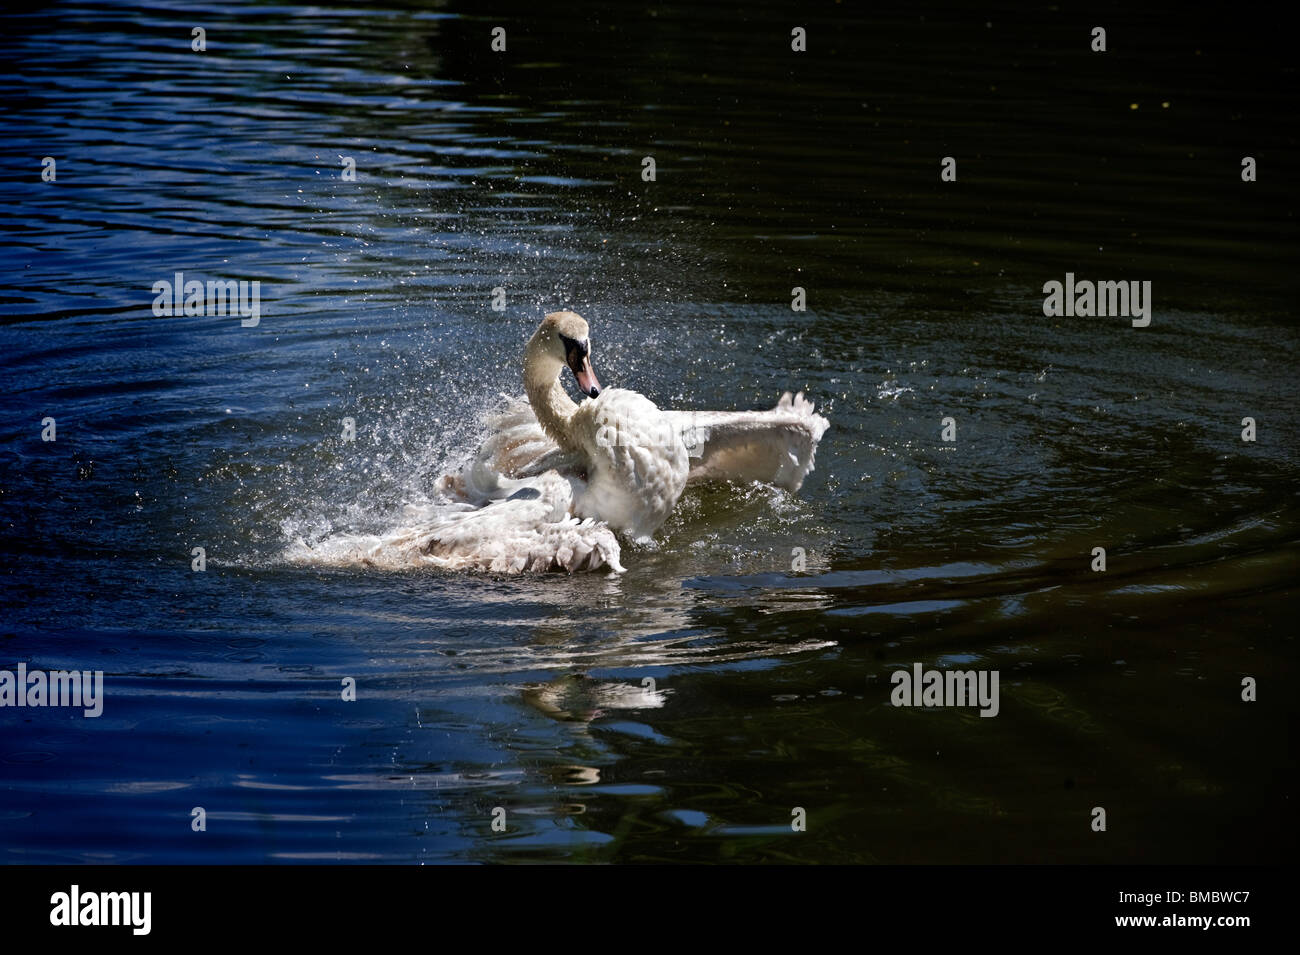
(679, 712)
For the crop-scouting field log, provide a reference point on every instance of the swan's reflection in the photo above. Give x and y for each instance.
(578, 698)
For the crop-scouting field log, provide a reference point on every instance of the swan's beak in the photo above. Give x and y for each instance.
(578, 355)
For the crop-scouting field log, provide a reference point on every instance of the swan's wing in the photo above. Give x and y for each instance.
(528, 531)
(510, 536)
(568, 463)
(775, 447)
(517, 441)
(516, 448)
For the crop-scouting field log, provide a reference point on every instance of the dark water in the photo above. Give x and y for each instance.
(522, 170)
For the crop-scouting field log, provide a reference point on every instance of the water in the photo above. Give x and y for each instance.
(523, 171)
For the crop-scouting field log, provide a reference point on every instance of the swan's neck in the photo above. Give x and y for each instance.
(552, 405)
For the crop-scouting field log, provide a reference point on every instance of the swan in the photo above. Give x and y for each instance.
(625, 461)
(620, 451)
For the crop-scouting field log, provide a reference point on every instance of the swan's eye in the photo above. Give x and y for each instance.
(572, 345)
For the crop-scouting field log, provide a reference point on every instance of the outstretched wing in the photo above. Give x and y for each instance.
(516, 449)
(775, 447)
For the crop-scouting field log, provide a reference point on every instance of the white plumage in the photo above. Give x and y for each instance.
(555, 482)
(626, 461)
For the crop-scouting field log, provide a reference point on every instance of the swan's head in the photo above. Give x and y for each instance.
(564, 336)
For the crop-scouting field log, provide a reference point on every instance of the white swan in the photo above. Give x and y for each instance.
(555, 480)
(625, 461)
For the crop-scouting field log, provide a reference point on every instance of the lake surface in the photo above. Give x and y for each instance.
(522, 170)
